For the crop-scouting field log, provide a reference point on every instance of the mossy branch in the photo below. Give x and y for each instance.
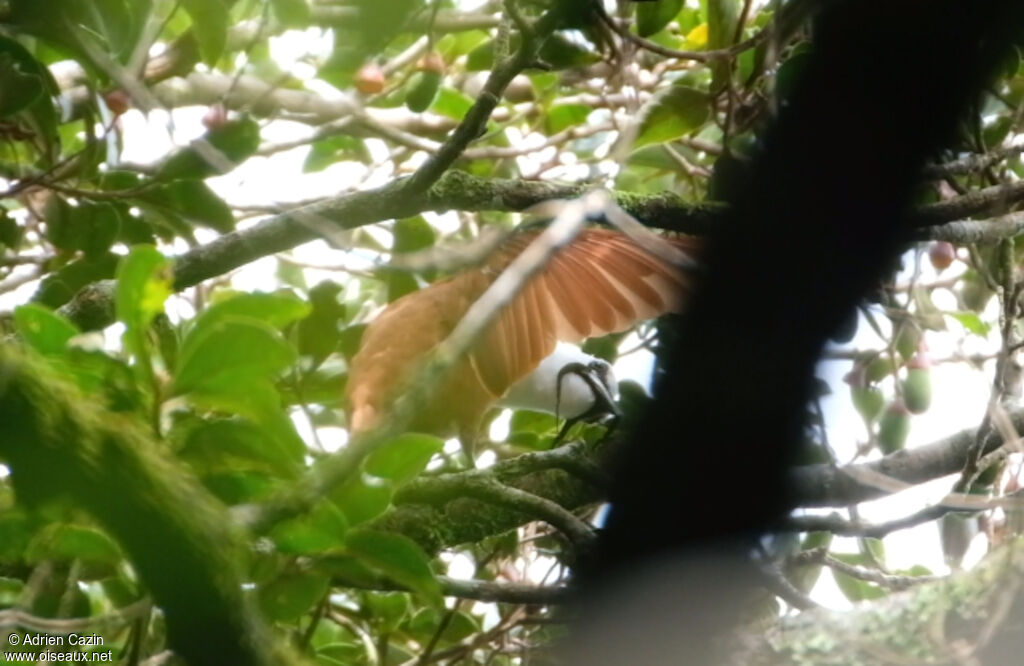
(929, 623)
(59, 444)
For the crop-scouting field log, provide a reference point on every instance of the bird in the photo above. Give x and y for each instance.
(602, 282)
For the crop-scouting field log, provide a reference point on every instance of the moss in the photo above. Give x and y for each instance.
(916, 626)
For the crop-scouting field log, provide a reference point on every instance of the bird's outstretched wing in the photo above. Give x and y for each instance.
(600, 283)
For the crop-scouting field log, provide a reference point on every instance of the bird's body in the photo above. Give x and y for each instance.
(600, 283)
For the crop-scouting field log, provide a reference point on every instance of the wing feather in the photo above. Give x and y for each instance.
(600, 283)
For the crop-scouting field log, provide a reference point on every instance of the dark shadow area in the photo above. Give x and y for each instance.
(821, 216)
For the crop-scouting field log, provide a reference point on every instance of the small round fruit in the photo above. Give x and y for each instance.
(908, 338)
(216, 116)
(917, 387)
(370, 79)
(975, 294)
(868, 401)
(431, 62)
(117, 101)
(421, 91)
(894, 427)
(941, 254)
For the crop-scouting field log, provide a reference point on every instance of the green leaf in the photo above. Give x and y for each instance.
(324, 386)
(971, 322)
(276, 310)
(143, 284)
(564, 116)
(120, 590)
(723, 16)
(403, 457)
(110, 26)
(226, 444)
(87, 226)
(110, 380)
(451, 103)
(10, 232)
(412, 234)
(723, 21)
(670, 114)
(61, 541)
(398, 558)
(291, 595)
(350, 339)
(320, 531)
(210, 21)
(235, 348)
(239, 487)
(38, 113)
(651, 17)
(58, 287)
(10, 591)
(291, 13)
(538, 423)
(217, 152)
(362, 499)
(399, 283)
(18, 89)
(558, 52)
(245, 392)
(195, 202)
(333, 149)
(320, 332)
(46, 331)
(427, 621)
(388, 609)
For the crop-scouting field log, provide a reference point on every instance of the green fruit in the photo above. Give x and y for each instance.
(975, 294)
(878, 369)
(894, 428)
(868, 401)
(917, 390)
(422, 90)
(907, 340)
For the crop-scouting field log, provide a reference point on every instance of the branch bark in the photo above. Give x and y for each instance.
(825, 485)
(951, 620)
(91, 308)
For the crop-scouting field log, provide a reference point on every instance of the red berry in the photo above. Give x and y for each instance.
(216, 116)
(941, 254)
(117, 101)
(431, 62)
(370, 79)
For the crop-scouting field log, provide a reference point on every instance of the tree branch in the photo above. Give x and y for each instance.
(964, 232)
(474, 123)
(924, 624)
(457, 190)
(825, 485)
(436, 512)
(479, 590)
